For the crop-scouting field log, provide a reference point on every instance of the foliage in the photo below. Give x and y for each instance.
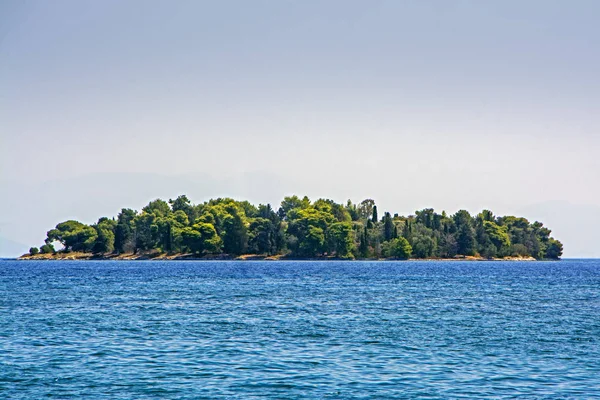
(47, 249)
(301, 228)
(397, 248)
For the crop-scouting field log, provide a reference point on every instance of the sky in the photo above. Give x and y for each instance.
(447, 104)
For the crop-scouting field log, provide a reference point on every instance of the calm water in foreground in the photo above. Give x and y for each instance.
(187, 329)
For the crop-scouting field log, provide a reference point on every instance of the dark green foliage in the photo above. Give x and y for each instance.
(388, 227)
(105, 236)
(363, 248)
(341, 239)
(33, 251)
(263, 239)
(235, 236)
(146, 231)
(554, 249)
(158, 207)
(182, 203)
(124, 239)
(303, 228)
(465, 240)
(47, 249)
(73, 235)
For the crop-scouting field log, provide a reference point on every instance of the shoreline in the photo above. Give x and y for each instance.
(74, 256)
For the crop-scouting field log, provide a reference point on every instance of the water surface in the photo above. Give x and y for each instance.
(194, 329)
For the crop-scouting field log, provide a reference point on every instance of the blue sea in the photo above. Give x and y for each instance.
(299, 329)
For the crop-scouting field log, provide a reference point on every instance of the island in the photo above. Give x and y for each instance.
(225, 228)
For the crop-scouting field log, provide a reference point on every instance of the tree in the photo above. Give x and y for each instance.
(292, 202)
(447, 245)
(427, 217)
(182, 203)
(465, 240)
(375, 216)
(397, 248)
(388, 227)
(306, 229)
(158, 207)
(423, 246)
(47, 249)
(462, 218)
(105, 236)
(363, 248)
(365, 208)
(146, 231)
(341, 237)
(303, 229)
(313, 241)
(201, 238)
(235, 237)
(73, 235)
(352, 210)
(124, 231)
(33, 251)
(262, 236)
(554, 249)
(498, 236)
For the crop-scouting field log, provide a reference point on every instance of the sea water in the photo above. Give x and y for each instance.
(299, 329)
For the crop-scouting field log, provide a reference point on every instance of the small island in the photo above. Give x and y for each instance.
(225, 228)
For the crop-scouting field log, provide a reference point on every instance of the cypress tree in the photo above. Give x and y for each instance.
(388, 227)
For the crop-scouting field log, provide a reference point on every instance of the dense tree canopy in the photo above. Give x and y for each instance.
(303, 228)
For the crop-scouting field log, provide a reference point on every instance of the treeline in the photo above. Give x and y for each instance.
(304, 229)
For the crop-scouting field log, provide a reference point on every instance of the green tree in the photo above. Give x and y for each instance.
(388, 227)
(124, 231)
(312, 243)
(182, 203)
(554, 249)
(201, 238)
(365, 208)
(235, 237)
(375, 216)
(363, 248)
(292, 202)
(158, 207)
(303, 229)
(307, 229)
(33, 251)
(341, 237)
(465, 240)
(262, 236)
(73, 235)
(146, 231)
(105, 236)
(352, 210)
(47, 249)
(397, 248)
(498, 236)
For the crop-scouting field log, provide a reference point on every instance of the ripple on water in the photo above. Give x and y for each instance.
(299, 329)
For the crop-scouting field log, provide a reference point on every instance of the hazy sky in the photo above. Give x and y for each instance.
(444, 104)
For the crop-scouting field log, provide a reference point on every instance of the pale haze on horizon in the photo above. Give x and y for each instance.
(443, 104)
